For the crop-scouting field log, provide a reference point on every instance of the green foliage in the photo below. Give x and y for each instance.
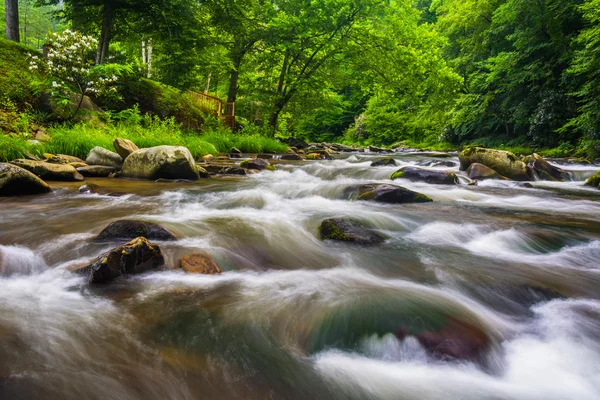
(17, 82)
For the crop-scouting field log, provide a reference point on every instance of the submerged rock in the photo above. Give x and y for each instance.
(124, 147)
(96, 171)
(594, 181)
(544, 169)
(16, 181)
(168, 162)
(135, 257)
(129, 229)
(384, 193)
(257, 163)
(199, 263)
(348, 230)
(416, 174)
(480, 172)
(49, 171)
(101, 156)
(385, 162)
(503, 162)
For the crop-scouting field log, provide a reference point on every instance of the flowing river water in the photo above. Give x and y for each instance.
(293, 317)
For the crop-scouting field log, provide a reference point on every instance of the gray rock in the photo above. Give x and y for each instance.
(101, 156)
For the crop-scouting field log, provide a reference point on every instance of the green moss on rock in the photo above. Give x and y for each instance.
(594, 180)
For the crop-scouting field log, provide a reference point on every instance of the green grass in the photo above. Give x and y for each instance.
(17, 82)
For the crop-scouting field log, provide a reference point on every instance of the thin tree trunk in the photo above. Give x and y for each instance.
(11, 10)
(233, 81)
(207, 87)
(149, 58)
(279, 104)
(108, 20)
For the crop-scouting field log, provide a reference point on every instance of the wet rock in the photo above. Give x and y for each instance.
(202, 173)
(318, 156)
(295, 142)
(437, 154)
(135, 257)
(16, 181)
(129, 229)
(544, 169)
(88, 188)
(375, 149)
(291, 157)
(96, 171)
(258, 163)
(343, 148)
(208, 158)
(199, 263)
(235, 150)
(168, 162)
(415, 174)
(481, 172)
(78, 164)
(101, 156)
(265, 156)
(124, 147)
(526, 185)
(63, 159)
(224, 170)
(48, 171)
(503, 162)
(594, 181)
(347, 230)
(384, 193)
(388, 161)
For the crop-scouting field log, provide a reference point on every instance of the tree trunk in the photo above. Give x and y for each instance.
(108, 20)
(77, 16)
(280, 102)
(233, 81)
(11, 9)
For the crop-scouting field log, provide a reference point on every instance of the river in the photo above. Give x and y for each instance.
(293, 317)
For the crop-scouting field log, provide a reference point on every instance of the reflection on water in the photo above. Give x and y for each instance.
(489, 292)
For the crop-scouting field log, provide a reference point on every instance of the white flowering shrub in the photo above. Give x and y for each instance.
(70, 69)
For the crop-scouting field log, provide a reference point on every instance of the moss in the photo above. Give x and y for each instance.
(594, 180)
(331, 231)
(422, 198)
(244, 164)
(270, 168)
(17, 82)
(397, 175)
(370, 195)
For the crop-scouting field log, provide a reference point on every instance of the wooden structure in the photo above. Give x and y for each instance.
(224, 111)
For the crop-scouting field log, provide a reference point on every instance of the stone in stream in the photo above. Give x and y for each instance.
(386, 162)
(594, 181)
(318, 156)
(124, 147)
(199, 263)
(503, 162)
(100, 156)
(348, 230)
(96, 171)
(480, 172)
(374, 149)
(134, 257)
(265, 156)
(16, 181)
(416, 174)
(168, 162)
(384, 193)
(235, 150)
(544, 169)
(129, 229)
(292, 157)
(48, 171)
(63, 159)
(257, 163)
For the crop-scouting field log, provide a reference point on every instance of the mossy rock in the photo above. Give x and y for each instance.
(415, 174)
(544, 169)
(505, 163)
(384, 193)
(49, 171)
(16, 181)
(166, 162)
(594, 181)
(480, 172)
(386, 162)
(348, 230)
(131, 229)
(258, 164)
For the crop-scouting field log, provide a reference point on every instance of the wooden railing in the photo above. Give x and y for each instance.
(214, 106)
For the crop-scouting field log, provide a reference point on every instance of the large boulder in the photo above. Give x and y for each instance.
(199, 263)
(124, 147)
(135, 257)
(386, 162)
(478, 171)
(544, 169)
(129, 229)
(167, 162)
(16, 181)
(101, 156)
(416, 174)
(63, 159)
(503, 162)
(594, 181)
(96, 171)
(49, 171)
(384, 193)
(348, 230)
(257, 163)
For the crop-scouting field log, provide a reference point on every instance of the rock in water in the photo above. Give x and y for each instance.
(49, 171)
(292, 157)
(63, 159)
(16, 181)
(347, 230)
(124, 147)
(426, 175)
(101, 156)
(168, 162)
(384, 193)
(199, 263)
(135, 257)
(544, 169)
(388, 161)
(503, 162)
(594, 181)
(257, 163)
(235, 150)
(374, 149)
(480, 172)
(96, 171)
(127, 229)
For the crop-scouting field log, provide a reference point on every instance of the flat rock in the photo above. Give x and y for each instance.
(416, 174)
(48, 171)
(129, 229)
(384, 193)
(96, 171)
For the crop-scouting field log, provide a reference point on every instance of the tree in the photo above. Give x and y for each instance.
(11, 11)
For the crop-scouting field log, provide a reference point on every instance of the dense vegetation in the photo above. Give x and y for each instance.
(437, 73)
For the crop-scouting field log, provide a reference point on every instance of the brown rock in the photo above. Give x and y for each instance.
(49, 171)
(16, 181)
(124, 147)
(199, 263)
